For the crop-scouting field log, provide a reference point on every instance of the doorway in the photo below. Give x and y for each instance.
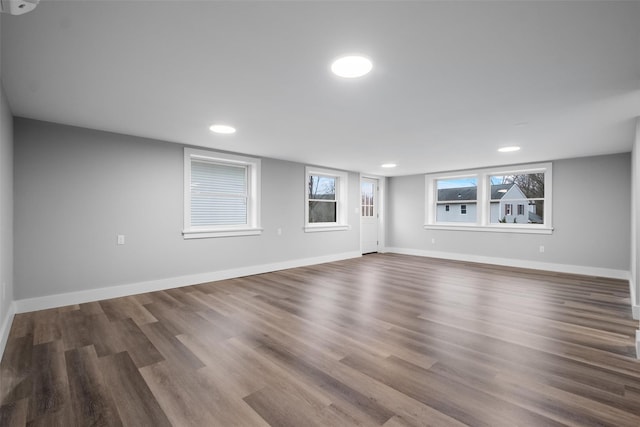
(369, 191)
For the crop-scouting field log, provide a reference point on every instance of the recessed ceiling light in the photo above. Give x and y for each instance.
(351, 66)
(509, 149)
(389, 165)
(226, 129)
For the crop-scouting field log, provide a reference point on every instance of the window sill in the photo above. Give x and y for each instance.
(204, 234)
(524, 229)
(332, 227)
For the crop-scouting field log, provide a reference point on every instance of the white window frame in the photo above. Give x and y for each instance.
(342, 184)
(483, 204)
(252, 227)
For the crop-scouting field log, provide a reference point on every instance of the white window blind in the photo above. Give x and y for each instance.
(218, 194)
(221, 195)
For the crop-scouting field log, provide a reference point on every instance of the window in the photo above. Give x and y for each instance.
(521, 188)
(221, 195)
(367, 190)
(325, 200)
(460, 192)
(514, 199)
(507, 209)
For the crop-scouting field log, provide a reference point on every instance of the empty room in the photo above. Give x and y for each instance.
(319, 213)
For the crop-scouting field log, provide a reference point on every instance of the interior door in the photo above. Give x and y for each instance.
(369, 215)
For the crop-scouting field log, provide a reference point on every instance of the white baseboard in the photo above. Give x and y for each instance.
(635, 308)
(520, 263)
(5, 327)
(638, 344)
(60, 300)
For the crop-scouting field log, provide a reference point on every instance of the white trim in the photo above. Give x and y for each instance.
(635, 308)
(253, 195)
(312, 228)
(506, 228)
(201, 234)
(519, 263)
(6, 327)
(60, 300)
(637, 344)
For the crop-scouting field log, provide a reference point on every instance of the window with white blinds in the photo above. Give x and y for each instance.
(221, 194)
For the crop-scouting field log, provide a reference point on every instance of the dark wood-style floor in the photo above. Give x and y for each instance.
(386, 340)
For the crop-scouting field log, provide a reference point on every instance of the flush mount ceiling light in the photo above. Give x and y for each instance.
(351, 66)
(509, 149)
(389, 165)
(224, 129)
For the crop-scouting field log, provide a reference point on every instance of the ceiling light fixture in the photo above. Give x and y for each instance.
(351, 66)
(224, 129)
(389, 165)
(509, 149)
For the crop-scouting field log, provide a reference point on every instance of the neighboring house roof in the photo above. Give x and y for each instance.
(462, 193)
(535, 219)
(496, 194)
(470, 193)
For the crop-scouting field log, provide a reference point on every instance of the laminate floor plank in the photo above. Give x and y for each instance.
(90, 398)
(50, 383)
(383, 340)
(136, 404)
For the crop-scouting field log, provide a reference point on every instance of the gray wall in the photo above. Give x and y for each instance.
(591, 217)
(6, 207)
(76, 189)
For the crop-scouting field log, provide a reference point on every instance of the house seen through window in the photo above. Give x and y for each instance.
(515, 198)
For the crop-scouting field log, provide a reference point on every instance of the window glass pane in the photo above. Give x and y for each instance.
(366, 198)
(457, 200)
(517, 198)
(322, 211)
(322, 187)
(528, 186)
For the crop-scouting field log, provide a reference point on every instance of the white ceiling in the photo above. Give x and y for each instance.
(451, 83)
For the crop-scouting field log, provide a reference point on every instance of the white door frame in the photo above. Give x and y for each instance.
(381, 210)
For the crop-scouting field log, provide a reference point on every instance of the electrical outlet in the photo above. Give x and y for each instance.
(541, 249)
(279, 231)
(433, 241)
(121, 239)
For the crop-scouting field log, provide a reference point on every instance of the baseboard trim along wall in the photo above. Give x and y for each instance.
(519, 263)
(635, 308)
(5, 327)
(60, 300)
